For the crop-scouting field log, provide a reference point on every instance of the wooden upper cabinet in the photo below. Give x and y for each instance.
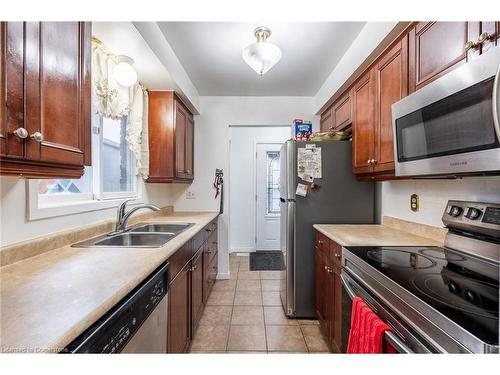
(46, 77)
(326, 120)
(189, 148)
(363, 101)
(392, 85)
(171, 137)
(436, 48)
(180, 138)
(338, 117)
(342, 113)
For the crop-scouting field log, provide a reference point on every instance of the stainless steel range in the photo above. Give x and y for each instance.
(437, 299)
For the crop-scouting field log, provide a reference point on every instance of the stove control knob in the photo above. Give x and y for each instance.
(470, 296)
(473, 213)
(454, 288)
(456, 211)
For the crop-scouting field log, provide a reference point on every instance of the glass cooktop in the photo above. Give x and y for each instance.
(459, 286)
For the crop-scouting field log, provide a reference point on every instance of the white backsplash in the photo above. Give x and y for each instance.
(433, 196)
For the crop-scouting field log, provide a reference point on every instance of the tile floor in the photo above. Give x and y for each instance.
(244, 315)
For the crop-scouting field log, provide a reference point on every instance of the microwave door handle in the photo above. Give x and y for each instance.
(496, 103)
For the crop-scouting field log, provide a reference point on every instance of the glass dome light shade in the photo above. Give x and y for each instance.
(124, 73)
(261, 56)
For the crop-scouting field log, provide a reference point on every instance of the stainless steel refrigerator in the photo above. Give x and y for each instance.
(338, 199)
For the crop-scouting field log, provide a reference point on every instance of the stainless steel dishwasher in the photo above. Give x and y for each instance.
(137, 324)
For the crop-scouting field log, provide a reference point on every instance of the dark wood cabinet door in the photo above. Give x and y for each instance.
(363, 123)
(189, 148)
(392, 85)
(206, 272)
(336, 306)
(179, 320)
(326, 120)
(342, 113)
(196, 289)
(56, 91)
(11, 88)
(181, 118)
(322, 283)
(435, 48)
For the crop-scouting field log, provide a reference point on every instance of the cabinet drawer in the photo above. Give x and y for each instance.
(336, 254)
(322, 243)
(179, 259)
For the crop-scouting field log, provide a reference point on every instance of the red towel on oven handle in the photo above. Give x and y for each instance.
(367, 331)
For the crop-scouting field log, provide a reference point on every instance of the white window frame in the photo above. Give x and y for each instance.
(67, 204)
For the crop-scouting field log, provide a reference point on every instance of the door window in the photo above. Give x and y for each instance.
(273, 183)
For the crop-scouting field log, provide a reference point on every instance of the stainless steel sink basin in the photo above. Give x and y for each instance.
(175, 228)
(128, 239)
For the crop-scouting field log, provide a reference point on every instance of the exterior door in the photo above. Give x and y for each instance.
(267, 236)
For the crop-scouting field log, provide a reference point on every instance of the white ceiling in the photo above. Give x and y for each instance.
(210, 52)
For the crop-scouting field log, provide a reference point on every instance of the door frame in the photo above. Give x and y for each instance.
(228, 181)
(255, 144)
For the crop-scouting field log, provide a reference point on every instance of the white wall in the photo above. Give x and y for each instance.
(15, 227)
(212, 146)
(433, 196)
(242, 181)
(372, 34)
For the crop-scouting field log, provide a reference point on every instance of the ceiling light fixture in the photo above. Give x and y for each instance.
(124, 73)
(262, 55)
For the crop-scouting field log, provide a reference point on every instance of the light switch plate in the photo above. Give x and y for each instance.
(190, 194)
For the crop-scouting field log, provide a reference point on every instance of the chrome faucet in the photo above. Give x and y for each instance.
(122, 216)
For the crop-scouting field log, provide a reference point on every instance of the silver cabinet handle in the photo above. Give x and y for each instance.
(21, 133)
(337, 256)
(374, 161)
(369, 161)
(37, 136)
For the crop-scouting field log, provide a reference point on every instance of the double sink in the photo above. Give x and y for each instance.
(139, 235)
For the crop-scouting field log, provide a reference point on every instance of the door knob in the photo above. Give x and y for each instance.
(21, 133)
(337, 256)
(37, 136)
(374, 161)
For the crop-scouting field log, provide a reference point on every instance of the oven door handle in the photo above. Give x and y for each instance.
(496, 103)
(391, 337)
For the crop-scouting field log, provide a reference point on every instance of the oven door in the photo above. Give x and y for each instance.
(451, 126)
(402, 338)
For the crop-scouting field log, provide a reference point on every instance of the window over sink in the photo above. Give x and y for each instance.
(112, 176)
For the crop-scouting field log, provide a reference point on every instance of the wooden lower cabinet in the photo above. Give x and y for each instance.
(329, 290)
(179, 321)
(196, 288)
(193, 273)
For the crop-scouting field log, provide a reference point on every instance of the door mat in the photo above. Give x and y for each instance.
(267, 261)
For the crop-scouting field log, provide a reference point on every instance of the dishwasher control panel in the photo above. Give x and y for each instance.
(114, 330)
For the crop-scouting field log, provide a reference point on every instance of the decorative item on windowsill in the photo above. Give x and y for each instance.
(302, 129)
(219, 188)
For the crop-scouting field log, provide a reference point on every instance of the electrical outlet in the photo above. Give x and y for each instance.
(414, 202)
(190, 194)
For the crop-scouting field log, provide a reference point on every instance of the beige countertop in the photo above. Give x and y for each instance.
(372, 235)
(46, 301)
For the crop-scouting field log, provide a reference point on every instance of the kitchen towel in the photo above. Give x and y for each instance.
(367, 331)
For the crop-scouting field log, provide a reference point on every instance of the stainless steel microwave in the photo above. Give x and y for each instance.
(451, 126)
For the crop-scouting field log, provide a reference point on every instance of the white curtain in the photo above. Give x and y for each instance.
(115, 101)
